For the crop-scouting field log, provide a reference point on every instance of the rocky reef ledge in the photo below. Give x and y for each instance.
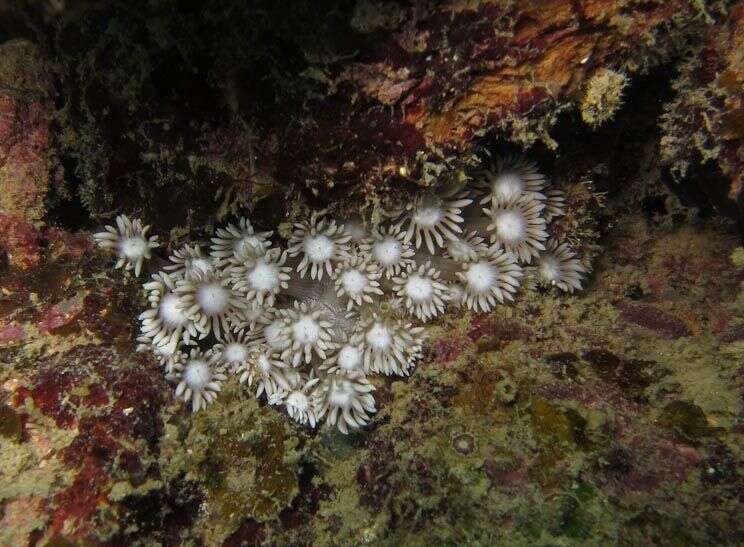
(613, 415)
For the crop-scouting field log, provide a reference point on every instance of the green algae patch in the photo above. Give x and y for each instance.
(698, 370)
(686, 420)
(245, 458)
(557, 432)
(11, 423)
(555, 427)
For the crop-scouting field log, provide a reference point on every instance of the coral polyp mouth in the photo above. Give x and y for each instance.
(428, 216)
(264, 277)
(378, 337)
(133, 247)
(387, 251)
(319, 248)
(212, 298)
(306, 327)
(171, 312)
(306, 331)
(510, 226)
(507, 186)
(418, 288)
(480, 276)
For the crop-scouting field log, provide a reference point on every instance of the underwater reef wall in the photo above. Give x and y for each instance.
(349, 99)
(703, 127)
(614, 415)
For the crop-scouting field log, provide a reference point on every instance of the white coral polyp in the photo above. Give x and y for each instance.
(558, 267)
(421, 291)
(233, 349)
(348, 359)
(307, 331)
(434, 219)
(129, 241)
(455, 295)
(165, 323)
(511, 179)
(346, 402)
(518, 227)
(389, 250)
(354, 228)
(300, 400)
(492, 279)
(264, 368)
(321, 244)
(239, 242)
(391, 345)
(187, 261)
(199, 379)
(357, 281)
(466, 248)
(209, 301)
(273, 335)
(252, 318)
(261, 279)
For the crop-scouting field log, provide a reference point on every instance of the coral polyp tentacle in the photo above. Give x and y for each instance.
(431, 218)
(321, 244)
(509, 179)
(264, 368)
(357, 281)
(555, 204)
(518, 227)
(388, 249)
(307, 332)
(199, 378)
(391, 345)
(233, 349)
(261, 278)
(187, 261)
(300, 399)
(239, 242)
(348, 358)
(129, 241)
(421, 291)
(492, 279)
(209, 301)
(346, 401)
(466, 247)
(166, 322)
(557, 266)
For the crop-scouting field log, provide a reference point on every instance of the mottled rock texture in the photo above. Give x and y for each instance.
(704, 125)
(613, 416)
(241, 103)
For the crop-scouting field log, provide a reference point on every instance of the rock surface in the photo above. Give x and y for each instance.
(611, 416)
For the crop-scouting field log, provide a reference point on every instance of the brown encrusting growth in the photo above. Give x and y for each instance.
(703, 127)
(394, 97)
(441, 76)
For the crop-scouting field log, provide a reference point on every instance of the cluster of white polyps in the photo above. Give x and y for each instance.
(305, 326)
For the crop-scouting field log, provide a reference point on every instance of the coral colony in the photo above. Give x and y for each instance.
(305, 326)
